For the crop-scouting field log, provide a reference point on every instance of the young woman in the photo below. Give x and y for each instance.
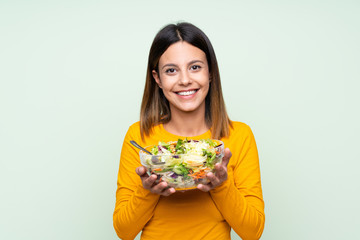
(183, 98)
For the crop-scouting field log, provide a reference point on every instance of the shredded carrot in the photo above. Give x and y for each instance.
(200, 174)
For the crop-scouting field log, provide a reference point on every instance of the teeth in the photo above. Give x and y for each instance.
(186, 93)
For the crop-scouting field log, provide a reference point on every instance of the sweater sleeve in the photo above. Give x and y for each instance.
(134, 205)
(239, 198)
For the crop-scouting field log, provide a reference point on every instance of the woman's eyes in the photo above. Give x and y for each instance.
(195, 67)
(170, 70)
(173, 70)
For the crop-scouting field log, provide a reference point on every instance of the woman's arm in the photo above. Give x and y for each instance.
(239, 197)
(134, 204)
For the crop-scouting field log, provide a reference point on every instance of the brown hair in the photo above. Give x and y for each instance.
(155, 107)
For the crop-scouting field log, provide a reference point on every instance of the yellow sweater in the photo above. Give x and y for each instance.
(193, 214)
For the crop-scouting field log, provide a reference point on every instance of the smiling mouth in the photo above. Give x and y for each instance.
(187, 93)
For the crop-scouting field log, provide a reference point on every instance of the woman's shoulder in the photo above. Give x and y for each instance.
(134, 132)
(135, 125)
(240, 134)
(134, 129)
(240, 129)
(239, 126)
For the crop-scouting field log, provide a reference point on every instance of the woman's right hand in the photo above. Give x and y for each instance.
(149, 183)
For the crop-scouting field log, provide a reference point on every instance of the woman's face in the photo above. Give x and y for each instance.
(183, 75)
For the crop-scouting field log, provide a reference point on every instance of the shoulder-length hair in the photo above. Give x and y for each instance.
(155, 107)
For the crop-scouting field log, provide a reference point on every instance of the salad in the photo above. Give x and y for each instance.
(183, 164)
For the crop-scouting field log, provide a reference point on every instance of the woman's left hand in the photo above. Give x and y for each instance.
(220, 173)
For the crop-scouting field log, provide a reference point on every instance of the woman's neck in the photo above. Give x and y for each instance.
(187, 123)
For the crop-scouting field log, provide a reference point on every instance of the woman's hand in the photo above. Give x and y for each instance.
(149, 183)
(220, 173)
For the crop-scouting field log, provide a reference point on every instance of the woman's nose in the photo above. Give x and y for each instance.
(185, 79)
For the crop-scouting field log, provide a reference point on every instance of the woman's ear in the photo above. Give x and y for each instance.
(156, 77)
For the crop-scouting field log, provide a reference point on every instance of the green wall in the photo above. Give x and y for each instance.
(71, 82)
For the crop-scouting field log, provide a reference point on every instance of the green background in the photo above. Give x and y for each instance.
(72, 75)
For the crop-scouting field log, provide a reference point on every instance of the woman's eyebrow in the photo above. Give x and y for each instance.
(196, 61)
(174, 65)
(169, 65)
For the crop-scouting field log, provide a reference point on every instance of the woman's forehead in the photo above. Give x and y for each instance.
(182, 53)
